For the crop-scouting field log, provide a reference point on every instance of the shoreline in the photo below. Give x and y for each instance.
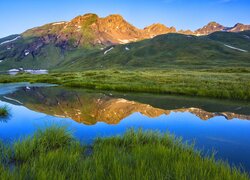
(233, 86)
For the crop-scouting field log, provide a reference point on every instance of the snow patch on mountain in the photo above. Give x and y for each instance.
(238, 49)
(58, 23)
(107, 51)
(10, 99)
(125, 41)
(8, 41)
(14, 70)
(247, 37)
(26, 52)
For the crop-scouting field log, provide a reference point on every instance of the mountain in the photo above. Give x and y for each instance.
(239, 27)
(215, 27)
(89, 29)
(187, 32)
(209, 28)
(88, 42)
(158, 29)
(223, 49)
(220, 49)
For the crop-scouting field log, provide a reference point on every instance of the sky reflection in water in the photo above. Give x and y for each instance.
(229, 138)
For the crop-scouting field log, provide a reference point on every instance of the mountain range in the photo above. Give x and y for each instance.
(88, 37)
(115, 30)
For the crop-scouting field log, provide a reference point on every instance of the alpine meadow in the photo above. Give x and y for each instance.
(126, 90)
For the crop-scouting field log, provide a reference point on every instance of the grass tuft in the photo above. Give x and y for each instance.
(50, 139)
(4, 111)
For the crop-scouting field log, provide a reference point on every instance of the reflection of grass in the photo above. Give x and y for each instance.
(55, 154)
(225, 85)
(4, 111)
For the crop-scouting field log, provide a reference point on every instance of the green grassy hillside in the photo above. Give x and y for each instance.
(165, 51)
(172, 51)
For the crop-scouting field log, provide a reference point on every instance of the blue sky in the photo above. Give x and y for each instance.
(18, 15)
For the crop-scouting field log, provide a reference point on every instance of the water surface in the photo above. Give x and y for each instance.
(218, 125)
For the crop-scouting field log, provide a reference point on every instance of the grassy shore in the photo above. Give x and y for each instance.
(4, 112)
(55, 154)
(212, 83)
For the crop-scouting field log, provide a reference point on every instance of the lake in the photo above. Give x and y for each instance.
(222, 126)
(29, 71)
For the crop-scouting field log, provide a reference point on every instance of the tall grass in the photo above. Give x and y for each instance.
(4, 111)
(53, 153)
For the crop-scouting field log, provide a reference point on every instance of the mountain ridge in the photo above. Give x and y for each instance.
(89, 41)
(114, 29)
(90, 29)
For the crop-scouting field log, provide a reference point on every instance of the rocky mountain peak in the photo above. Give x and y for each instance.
(158, 29)
(187, 32)
(114, 17)
(214, 26)
(84, 18)
(113, 21)
(115, 29)
(210, 28)
(238, 24)
(156, 25)
(213, 23)
(239, 27)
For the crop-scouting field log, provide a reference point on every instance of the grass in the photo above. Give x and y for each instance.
(54, 153)
(219, 84)
(4, 111)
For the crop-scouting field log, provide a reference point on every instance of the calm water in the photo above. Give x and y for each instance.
(223, 126)
(16, 71)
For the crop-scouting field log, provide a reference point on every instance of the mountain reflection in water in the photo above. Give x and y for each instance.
(219, 125)
(90, 108)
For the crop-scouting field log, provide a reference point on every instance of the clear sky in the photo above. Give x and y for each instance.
(17, 16)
